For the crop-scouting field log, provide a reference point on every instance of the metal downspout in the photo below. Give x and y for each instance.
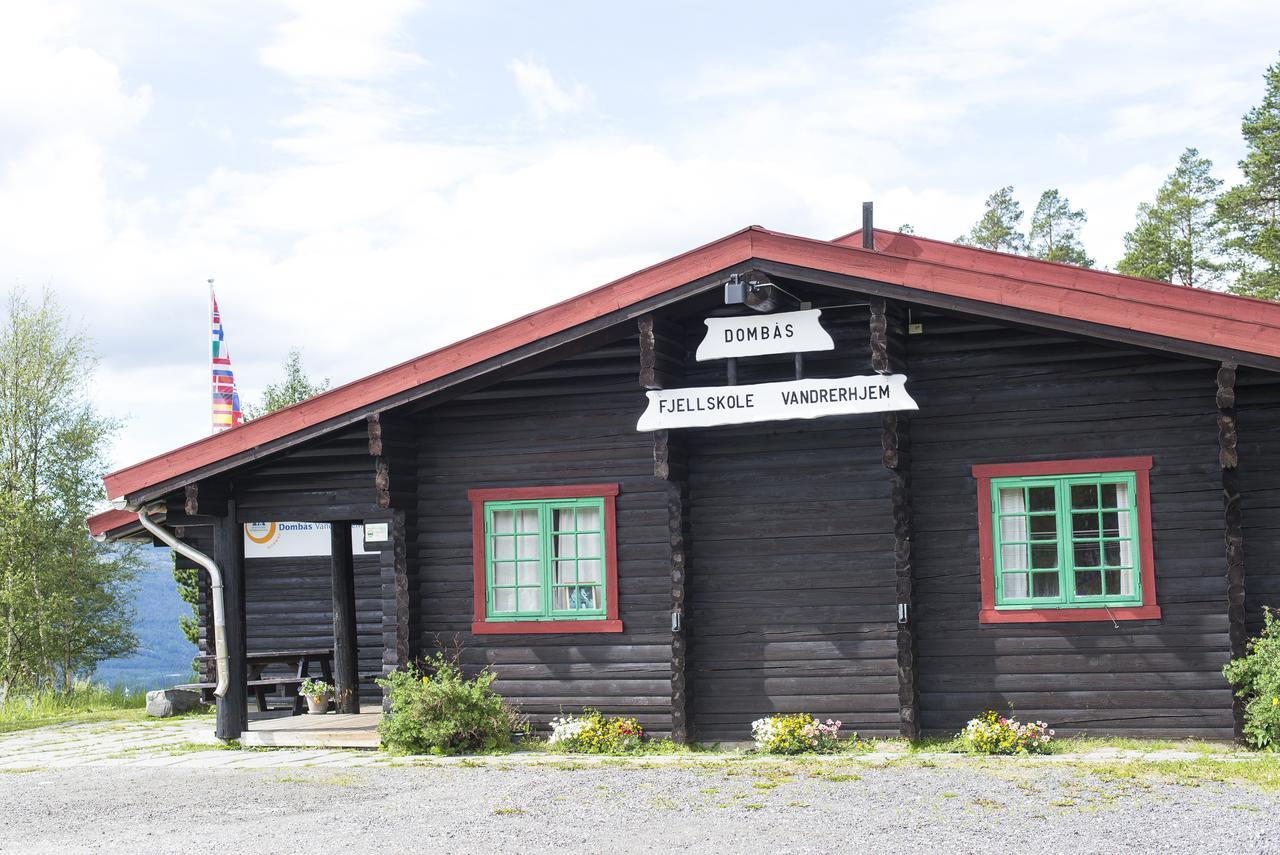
(215, 592)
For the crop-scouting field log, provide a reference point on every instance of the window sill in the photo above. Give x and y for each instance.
(1068, 615)
(543, 627)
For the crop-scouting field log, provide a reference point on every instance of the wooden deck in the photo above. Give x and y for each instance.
(332, 730)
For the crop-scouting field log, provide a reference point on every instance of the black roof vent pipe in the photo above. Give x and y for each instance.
(868, 227)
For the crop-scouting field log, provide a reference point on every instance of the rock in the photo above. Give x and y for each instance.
(167, 702)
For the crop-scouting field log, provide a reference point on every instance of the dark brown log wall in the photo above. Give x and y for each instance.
(792, 594)
(1258, 444)
(572, 422)
(991, 394)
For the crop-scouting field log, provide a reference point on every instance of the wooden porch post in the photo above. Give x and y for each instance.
(346, 665)
(228, 552)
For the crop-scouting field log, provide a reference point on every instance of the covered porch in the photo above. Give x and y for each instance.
(280, 728)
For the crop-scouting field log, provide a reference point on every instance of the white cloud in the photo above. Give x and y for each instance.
(337, 40)
(544, 96)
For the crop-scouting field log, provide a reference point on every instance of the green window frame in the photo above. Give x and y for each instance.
(545, 559)
(1070, 541)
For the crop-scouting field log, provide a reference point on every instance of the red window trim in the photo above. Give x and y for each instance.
(1140, 466)
(480, 624)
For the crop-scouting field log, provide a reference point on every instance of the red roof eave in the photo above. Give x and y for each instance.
(1090, 296)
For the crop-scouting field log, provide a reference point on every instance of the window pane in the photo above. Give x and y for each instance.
(565, 573)
(563, 519)
(589, 571)
(563, 545)
(504, 521)
(1086, 555)
(1084, 496)
(1044, 556)
(1126, 554)
(1015, 528)
(1041, 499)
(1011, 500)
(1112, 580)
(1044, 528)
(589, 519)
(530, 599)
(1111, 554)
(1089, 583)
(590, 546)
(586, 598)
(530, 573)
(1013, 557)
(1111, 523)
(1044, 584)
(1126, 583)
(504, 600)
(1084, 525)
(528, 546)
(504, 574)
(1115, 496)
(504, 548)
(527, 520)
(1015, 585)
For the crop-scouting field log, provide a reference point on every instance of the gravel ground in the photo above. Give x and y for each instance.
(820, 807)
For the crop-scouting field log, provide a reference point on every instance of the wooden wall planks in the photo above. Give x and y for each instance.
(992, 394)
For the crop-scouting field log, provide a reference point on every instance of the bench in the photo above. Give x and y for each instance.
(286, 687)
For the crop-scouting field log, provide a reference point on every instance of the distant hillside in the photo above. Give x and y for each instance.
(164, 655)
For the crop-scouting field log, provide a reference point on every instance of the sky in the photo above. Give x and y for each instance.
(369, 181)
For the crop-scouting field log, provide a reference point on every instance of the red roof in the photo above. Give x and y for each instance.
(110, 520)
(931, 267)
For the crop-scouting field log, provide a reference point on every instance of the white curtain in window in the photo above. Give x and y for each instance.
(1126, 545)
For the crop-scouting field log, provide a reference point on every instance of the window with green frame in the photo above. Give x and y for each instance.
(1068, 541)
(545, 559)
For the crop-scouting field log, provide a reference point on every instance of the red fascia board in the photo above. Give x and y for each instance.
(1091, 296)
(109, 520)
(650, 282)
(1146, 291)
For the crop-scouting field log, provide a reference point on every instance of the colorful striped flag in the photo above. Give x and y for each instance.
(226, 400)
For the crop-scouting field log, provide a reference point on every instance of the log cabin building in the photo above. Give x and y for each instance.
(1070, 507)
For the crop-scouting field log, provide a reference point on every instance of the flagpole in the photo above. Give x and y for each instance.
(208, 319)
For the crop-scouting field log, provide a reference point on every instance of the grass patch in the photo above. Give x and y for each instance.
(1257, 771)
(508, 811)
(86, 703)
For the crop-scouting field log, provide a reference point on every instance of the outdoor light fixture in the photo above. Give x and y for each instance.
(754, 290)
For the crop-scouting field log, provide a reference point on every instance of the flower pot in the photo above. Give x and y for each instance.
(318, 706)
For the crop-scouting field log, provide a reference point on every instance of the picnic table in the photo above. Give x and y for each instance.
(298, 663)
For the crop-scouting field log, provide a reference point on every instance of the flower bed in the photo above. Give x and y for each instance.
(992, 733)
(796, 734)
(595, 733)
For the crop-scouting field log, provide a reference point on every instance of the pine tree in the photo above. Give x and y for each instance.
(1178, 237)
(1251, 211)
(296, 386)
(1055, 231)
(998, 228)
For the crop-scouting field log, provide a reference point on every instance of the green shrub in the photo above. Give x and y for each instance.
(992, 733)
(438, 710)
(1257, 678)
(595, 733)
(796, 734)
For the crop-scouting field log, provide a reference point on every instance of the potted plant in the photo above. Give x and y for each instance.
(318, 694)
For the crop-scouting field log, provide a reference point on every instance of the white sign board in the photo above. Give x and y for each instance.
(294, 539)
(758, 335)
(766, 402)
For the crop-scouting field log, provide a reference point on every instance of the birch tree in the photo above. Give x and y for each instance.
(64, 599)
